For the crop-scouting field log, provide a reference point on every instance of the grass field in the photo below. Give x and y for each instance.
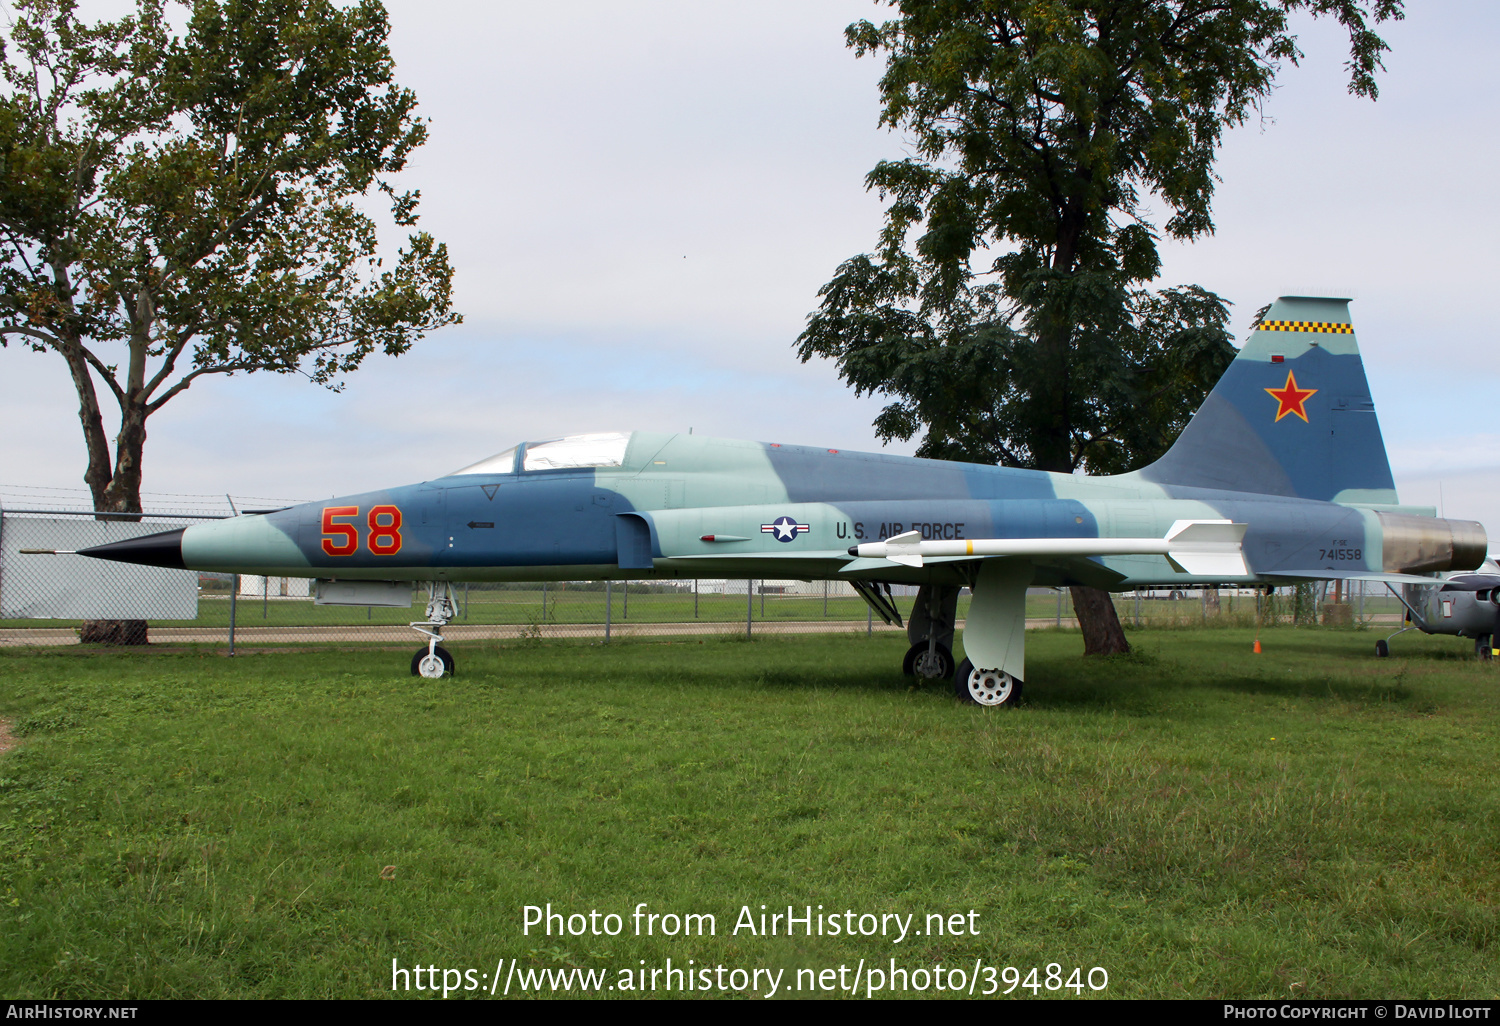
(1194, 819)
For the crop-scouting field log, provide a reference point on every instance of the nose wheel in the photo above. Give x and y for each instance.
(442, 605)
(434, 664)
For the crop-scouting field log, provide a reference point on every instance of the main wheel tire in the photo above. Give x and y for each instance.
(937, 666)
(424, 665)
(986, 687)
(1482, 646)
(1382, 649)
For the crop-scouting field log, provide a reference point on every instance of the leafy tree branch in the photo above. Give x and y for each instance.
(189, 200)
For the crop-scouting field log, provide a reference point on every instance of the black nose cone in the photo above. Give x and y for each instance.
(164, 549)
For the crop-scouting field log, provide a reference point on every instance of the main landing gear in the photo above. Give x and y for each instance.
(995, 636)
(928, 660)
(930, 631)
(1383, 646)
(996, 632)
(986, 687)
(442, 606)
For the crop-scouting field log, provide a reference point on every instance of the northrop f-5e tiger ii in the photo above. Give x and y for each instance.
(1281, 476)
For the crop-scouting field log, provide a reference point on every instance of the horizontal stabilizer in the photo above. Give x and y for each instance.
(1351, 575)
(1203, 548)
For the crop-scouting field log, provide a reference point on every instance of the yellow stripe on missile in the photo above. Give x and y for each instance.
(971, 549)
(1323, 326)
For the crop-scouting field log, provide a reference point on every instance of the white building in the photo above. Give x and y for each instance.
(254, 586)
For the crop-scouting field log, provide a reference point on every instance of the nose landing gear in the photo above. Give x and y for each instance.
(442, 606)
(436, 663)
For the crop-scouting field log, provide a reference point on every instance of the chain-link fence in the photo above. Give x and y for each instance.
(64, 599)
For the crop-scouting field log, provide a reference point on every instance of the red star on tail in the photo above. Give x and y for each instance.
(1291, 398)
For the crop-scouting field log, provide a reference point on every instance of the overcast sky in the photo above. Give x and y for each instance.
(642, 199)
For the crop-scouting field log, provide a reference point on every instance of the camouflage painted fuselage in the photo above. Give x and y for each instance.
(1287, 443)
(650, 516)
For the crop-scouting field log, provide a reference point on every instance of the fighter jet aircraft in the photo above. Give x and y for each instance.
(1280, 477)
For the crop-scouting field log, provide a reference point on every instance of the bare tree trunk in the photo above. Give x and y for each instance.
(1102, 633)
(113, 632)
(123, 494)
(95, 443)
(1052, 447)
(114, 490)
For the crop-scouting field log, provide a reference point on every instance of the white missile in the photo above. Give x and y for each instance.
(1203, 548)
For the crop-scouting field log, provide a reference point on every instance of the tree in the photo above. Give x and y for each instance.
(1006, 311)
(178, 204)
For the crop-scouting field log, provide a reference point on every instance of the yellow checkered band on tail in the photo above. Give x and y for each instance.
(1328, 326)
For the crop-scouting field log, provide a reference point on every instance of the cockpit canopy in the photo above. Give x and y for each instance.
(603, 449)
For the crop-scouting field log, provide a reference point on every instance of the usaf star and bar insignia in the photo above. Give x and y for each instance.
(784, 529)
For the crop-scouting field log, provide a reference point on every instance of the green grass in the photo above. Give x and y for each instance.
(1199, 821)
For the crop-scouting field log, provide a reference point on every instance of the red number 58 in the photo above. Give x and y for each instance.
(341, 539)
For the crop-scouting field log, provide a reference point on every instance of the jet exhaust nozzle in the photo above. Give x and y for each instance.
(1421, 545)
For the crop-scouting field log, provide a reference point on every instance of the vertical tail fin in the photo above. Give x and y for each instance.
(1291, 416)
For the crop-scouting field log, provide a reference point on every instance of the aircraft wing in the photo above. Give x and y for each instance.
(1471, 582)
(1203, 548)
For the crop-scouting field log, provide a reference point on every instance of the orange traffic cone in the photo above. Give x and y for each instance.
(1257, 646)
